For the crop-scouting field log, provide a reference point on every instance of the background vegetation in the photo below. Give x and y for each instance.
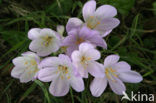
(134, 40)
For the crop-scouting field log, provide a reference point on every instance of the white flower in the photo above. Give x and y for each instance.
(26, 67)
(60, 71)
(84, 60)
(44, 41)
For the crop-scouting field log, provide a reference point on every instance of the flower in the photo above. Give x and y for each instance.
(84, 60)
(61, 72)
(26, 67)
(44, 41)
(102, 19)
(115, 73)
(77, 36)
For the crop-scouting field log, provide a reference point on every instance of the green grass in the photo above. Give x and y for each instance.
(134, 40)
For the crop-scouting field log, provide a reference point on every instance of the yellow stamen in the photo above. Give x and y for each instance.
(79, 41)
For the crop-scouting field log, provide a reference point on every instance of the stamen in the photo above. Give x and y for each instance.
(79, 41)
(47, 40)
(92, 22)
(110, 73)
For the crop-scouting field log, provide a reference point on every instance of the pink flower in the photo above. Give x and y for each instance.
(61, 72)
(115, 73)
(26, 67)
(84, 60)
(100, 19)
(44, 41)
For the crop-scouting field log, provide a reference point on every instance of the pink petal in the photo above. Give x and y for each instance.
(105, 33)
(93, 54)
(59, 87)
(49, 62)
(107, 24)
(47, 74)
(96, 69)
(130, 77)
(89, 9)
(17, 71)
(98, 86)
(122, 66)
(34, 33)
(77, 83)
(105, 11)
(117, 86)
(111, 59)
(73, 23)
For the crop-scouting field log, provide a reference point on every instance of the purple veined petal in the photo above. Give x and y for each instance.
(70, 40)
(48, 74)
(71, 49)
(73, 31)
(77, 83)
(59, 87)
(27, 76)
(93, 54)
(105, 11)
(73, 23)
(96, 69)
(84, 47)
(130, 77)
(117, 86)
(19, 61)
(76, 55)
(83, 72)
(85, 32)
(122, 66)
(98, 86)
(34, 33)
(63, 57)
(104, 34)
(107, 24)
(89, 9)
(95, 38)
(111, 59)
(17, 71)
(47, 31)
(50, 62)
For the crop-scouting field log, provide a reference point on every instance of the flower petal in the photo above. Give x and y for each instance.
(50, 62)
(93, 54)
(16, 72)
(130, 77)
(47, 74)
(34, 33)
(71, 49)
(83, 72)
(59, 87)
(96, 69)
(88, 9)
(84, 47)
(77, 83)
(107, 24)
(105, 11)
(70, 40)
(27, 76)
(73, 23)
(122, 66)
(76, 55)
(117, 86)
(98, 86)
(105, 33)
(111, 59)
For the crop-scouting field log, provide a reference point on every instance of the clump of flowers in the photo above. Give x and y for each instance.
(80, 56)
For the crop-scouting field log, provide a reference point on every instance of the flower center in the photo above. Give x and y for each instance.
(31, 66)
(79, 41)
(84, 61)
(64, 71)
(111, 73)
(47, 40)
(92, 22)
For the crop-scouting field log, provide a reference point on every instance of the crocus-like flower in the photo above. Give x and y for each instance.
(102, 19)
(44, 41)
(61, 72)
(115, 73)
(26, 67)
(84, 61)
(77, 36)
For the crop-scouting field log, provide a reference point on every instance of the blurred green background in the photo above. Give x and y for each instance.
(134, 40)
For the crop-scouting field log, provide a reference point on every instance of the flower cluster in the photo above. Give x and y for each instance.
(80, 57)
